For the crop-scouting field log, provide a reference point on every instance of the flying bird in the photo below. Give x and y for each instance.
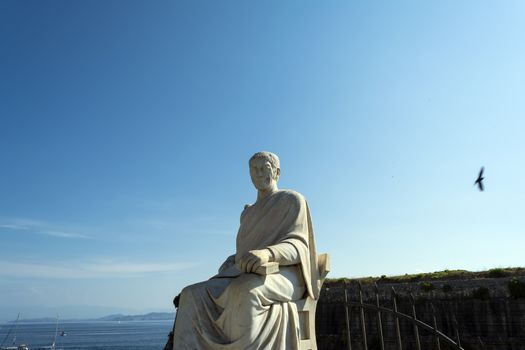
(479, 180)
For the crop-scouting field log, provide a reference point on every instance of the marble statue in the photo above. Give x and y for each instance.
(250, 304)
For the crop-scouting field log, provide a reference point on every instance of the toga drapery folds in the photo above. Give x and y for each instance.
(245, 311)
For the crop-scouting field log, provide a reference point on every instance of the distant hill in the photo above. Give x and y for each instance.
(152, 316)
(36, 320)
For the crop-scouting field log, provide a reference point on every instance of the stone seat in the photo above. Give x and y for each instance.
(306, 308)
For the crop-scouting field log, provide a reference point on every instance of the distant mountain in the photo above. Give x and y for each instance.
(9, 312)
(36, 320)
(152, 316)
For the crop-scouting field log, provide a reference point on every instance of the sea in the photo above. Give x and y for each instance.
(95, 335)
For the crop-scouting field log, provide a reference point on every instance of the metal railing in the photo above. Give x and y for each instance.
(379, 311)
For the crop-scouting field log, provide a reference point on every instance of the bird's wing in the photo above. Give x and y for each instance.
(480, 185)
(481, 172)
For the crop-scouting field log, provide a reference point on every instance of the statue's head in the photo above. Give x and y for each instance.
(264, 170)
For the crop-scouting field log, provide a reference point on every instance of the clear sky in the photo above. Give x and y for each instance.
(126, 128)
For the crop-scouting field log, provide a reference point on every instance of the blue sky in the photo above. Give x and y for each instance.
(126, 127)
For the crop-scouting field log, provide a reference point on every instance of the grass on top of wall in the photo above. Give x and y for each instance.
(436, 276)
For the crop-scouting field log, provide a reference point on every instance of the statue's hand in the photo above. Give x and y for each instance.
(253, 259)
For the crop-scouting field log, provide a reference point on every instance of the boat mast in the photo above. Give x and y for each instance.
(16, 328)
(56, 331)
(9, 333)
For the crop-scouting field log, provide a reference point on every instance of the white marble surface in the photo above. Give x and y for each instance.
(249, 303)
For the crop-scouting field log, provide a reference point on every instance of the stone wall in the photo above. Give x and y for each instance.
(488, 317)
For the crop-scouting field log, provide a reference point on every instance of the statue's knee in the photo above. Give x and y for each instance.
(192, 290)
(186, 293)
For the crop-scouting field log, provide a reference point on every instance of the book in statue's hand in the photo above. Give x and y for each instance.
(268, 268)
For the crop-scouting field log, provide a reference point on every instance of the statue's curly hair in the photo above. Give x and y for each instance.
(271, 157)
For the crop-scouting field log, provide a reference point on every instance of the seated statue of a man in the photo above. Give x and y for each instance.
(238, 309)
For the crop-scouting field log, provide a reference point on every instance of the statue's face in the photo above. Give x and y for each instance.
(263, 174)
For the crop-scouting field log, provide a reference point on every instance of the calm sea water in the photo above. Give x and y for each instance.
(145, 335)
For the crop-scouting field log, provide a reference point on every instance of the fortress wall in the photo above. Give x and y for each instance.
(488, 314)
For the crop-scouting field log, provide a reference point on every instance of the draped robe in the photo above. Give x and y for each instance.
(245, 311)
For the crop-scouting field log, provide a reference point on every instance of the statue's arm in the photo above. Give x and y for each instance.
(284, 253)
(287, 251)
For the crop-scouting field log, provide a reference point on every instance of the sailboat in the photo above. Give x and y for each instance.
(7, 336)
(24, 346)
(53, 345)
